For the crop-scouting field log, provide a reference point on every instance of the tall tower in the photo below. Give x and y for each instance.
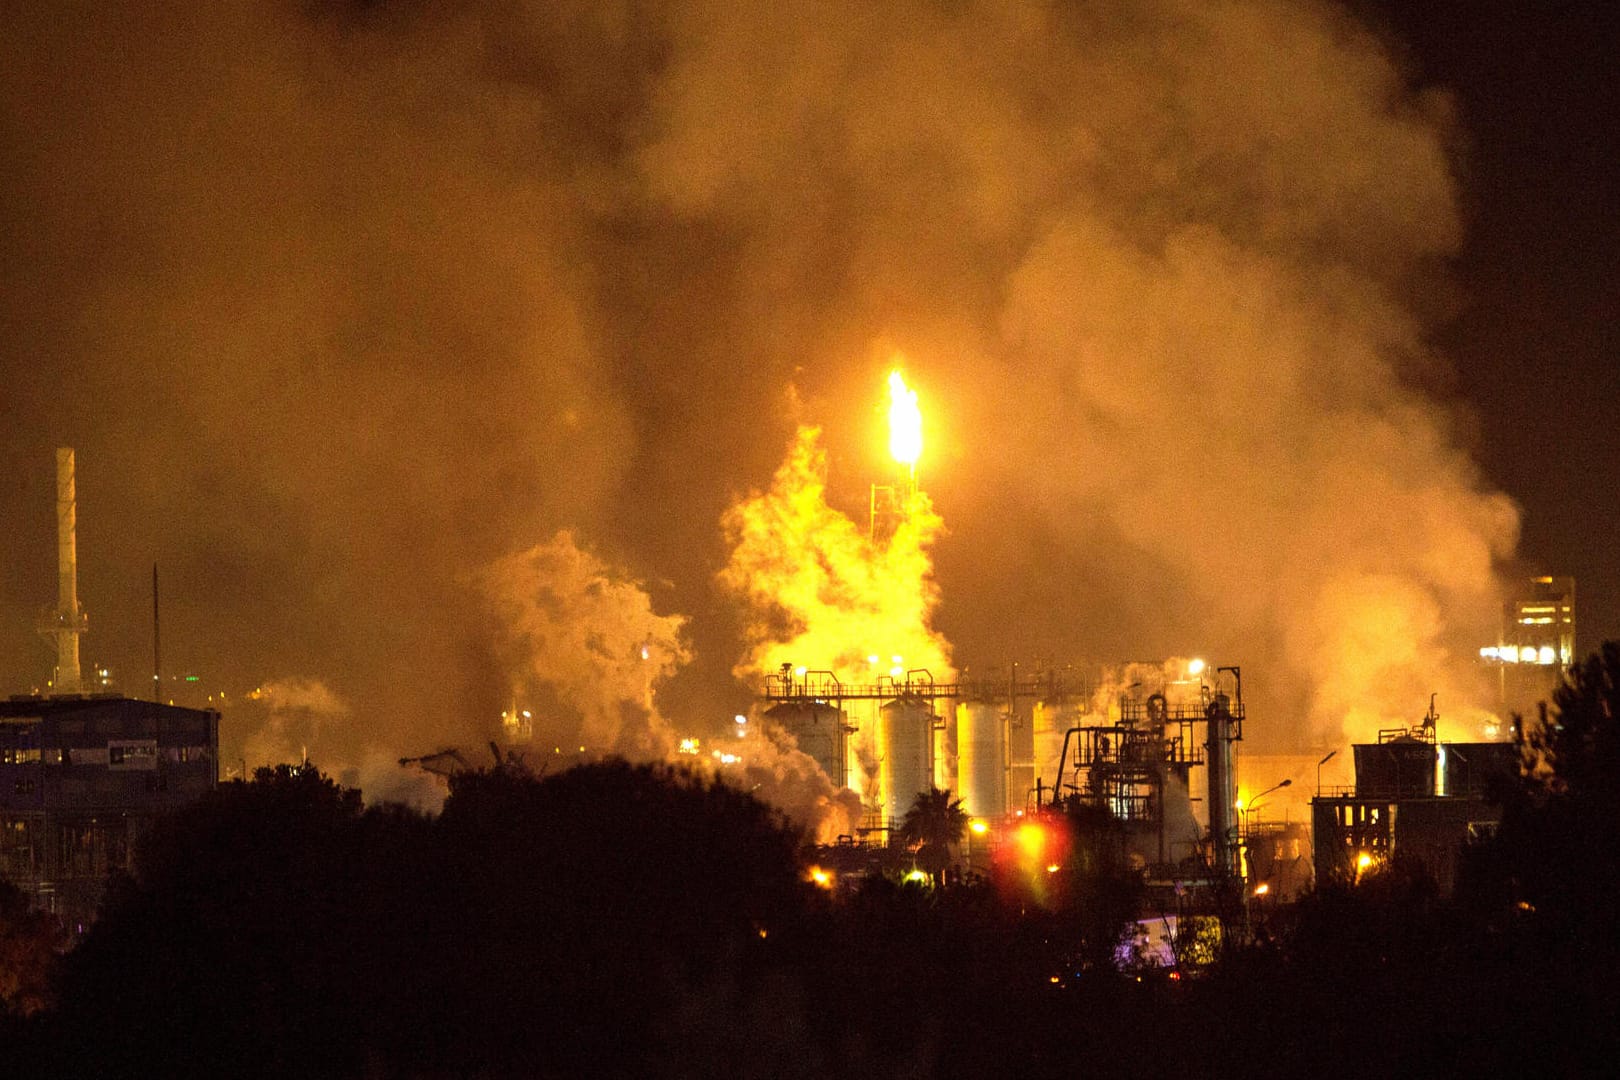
(68, 621)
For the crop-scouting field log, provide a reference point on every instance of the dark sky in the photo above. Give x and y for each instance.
(1535, 342)
(1237, 327)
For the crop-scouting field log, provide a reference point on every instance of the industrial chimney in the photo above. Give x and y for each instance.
(68, 621)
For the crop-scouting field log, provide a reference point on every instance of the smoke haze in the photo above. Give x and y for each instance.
(345, 304)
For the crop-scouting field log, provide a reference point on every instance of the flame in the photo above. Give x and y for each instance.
(905, 422)
(822, 595)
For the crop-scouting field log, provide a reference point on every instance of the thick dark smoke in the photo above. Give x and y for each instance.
(342, 304)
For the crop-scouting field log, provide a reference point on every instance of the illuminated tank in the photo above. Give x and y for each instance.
(1052, 720)
(819, 731)
(905, 753)
(981, 759)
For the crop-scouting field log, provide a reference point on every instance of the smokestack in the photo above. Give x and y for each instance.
(68, 622)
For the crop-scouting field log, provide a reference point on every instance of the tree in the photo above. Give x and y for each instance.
(29, 944)
(1556, 857)
(936, 823)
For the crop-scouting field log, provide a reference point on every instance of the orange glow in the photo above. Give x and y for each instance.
(905, 422)
(823, 879)
(1031, 840)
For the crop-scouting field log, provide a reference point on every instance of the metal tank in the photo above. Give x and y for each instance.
(1053, 719)
(819, 730)
(905, 753)
(981, 759)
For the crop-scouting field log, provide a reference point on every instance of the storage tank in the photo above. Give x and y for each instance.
(905, 753)
(981, 759)
(818, 729)
(1053, 719)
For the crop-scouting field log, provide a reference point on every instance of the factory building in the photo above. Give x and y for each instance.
(82, 778)
(1415, 799)
(1535, 647)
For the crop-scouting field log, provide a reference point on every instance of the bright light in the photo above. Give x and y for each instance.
(978, 827)
(874, 660)
(800, 671)
(821, 878)
(1261, 889)
(645, 655)
(905, 422)
(1031, 839)
(1052, 868)
(1546, 656)
(1363, 861)
(1195, 667)
(688, 746)
(1527, 655)
(740, 718)
(917, 875)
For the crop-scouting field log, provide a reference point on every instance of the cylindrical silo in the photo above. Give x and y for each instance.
(905, 749)
(1053, 719)
(818, 728)
(981, 759)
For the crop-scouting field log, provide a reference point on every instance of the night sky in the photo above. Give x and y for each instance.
(1533, 342)
(1240, 330)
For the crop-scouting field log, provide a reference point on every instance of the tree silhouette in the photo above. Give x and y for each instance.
(937, 823)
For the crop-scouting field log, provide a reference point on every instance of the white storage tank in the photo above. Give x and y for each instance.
(1053, 719)
(981, 759)
(905, 753)
(818, 728)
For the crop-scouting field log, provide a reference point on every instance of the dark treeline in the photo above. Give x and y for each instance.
(619, 920)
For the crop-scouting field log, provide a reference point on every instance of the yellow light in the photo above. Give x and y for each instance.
(978, 827)
(1195, 667)
(917, 875)
(1031, 839)
(905, 422)
(821, 878)
(1052, 868)
(1363, 861)
(1261, 889)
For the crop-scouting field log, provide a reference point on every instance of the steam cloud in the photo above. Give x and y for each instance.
(342, 304)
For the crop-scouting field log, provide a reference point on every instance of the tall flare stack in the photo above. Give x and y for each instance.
(67, 622)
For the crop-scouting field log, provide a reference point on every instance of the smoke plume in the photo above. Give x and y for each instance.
(343, 304)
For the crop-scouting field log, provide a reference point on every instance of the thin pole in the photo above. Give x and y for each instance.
(157, 648)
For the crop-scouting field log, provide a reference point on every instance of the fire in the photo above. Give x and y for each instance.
(822, 595)
(905, 422)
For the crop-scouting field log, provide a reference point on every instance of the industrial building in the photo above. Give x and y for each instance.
(1414, 799)
(1010, 746)
(1535, 647)
(82, 778)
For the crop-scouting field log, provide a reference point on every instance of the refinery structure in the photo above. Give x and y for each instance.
(1150, 747)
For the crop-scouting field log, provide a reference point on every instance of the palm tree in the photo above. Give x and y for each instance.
(936, 822)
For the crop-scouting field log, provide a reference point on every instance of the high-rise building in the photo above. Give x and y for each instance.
(1536, 645)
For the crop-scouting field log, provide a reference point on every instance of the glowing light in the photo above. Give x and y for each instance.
(1195, 667)
(1052, 868)
(688, 746)
(1546, 656)
(822, 879)
(978, 826)
(874, 660)
(800, 671)
(1261, 889)
(645, 655)
(740, 718)
(917, 876)
(1031, 839)
(905, 422)
(1527, 655)
(1363, 861)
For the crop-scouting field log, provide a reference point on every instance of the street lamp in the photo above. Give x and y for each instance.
(1331, 754)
